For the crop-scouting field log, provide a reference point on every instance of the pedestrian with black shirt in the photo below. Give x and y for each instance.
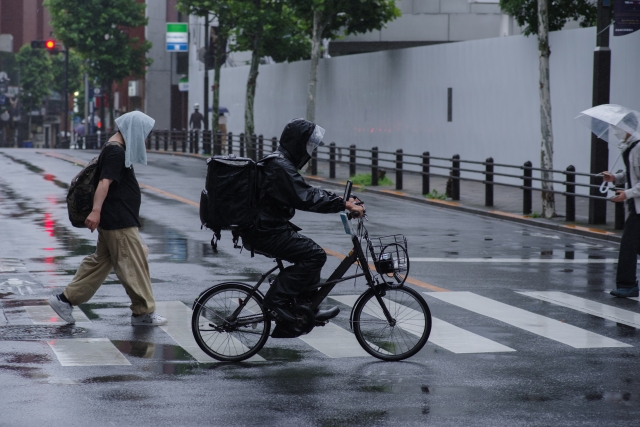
(626, 280)
(115, 214)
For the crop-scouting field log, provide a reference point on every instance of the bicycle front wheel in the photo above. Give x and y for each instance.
(398, 338)
(229, 323)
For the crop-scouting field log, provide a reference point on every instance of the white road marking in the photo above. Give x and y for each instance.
(531, 322)
(178, 327)
(444, 334)
(44, 315)
(633, 298)
(521, 260)
(334, 341)
(87, 352)
(604, 311)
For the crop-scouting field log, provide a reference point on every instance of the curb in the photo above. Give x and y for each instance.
(577, 230)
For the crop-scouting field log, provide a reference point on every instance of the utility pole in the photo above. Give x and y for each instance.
(66, 93)
(86, 104)
(205, 107)
(601, 88)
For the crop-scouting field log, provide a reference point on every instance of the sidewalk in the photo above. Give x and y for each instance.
(507, 200)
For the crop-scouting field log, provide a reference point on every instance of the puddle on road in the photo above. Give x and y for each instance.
(281, 354)
(35, 169)
(26, 358)
(150, 350)
(112, 379)
(25, 371)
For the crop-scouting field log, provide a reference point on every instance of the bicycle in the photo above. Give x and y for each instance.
(390, 322)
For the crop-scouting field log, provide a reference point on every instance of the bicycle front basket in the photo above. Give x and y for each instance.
(391, 258)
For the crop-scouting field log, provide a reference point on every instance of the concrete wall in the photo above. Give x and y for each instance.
(158, 77)
(398, 99)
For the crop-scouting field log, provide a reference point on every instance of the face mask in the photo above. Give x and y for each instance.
(620, 134)
(315, 140)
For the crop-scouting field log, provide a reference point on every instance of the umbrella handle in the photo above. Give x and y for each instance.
(605, 187)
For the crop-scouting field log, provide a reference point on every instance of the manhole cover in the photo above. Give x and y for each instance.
(37, 332)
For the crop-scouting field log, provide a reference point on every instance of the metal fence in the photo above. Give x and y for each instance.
(454, 169)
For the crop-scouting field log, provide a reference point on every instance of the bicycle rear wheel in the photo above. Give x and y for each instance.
(399, 339)
(225, 331)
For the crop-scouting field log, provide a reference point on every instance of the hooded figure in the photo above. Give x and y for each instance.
(282, 191)
(135, 127)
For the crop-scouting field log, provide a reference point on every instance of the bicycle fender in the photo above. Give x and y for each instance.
(245, 285)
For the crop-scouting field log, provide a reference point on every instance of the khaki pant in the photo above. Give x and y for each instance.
(123, 251)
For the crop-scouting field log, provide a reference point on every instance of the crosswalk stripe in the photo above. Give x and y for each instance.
(446, 335)
(334, 341)
(633, 298)
(87, 352)
(178, 328)
(44, 315)
(604, 311)
(528, 321)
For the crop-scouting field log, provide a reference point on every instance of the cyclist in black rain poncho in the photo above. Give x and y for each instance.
(282, 191)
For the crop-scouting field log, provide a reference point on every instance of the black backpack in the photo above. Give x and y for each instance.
(81, 191)
(230, 196)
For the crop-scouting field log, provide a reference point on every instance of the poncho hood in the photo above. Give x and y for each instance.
(135, 127)
(293, 141)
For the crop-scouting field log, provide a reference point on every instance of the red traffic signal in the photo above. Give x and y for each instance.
(50, 44)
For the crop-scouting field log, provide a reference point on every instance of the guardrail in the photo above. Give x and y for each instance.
(398, 162)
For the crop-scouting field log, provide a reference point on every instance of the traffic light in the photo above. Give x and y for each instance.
(49, 44)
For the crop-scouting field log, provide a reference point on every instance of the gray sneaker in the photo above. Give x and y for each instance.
(62, 309)
(151, 319)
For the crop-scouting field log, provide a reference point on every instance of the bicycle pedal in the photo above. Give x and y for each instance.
(321, 322)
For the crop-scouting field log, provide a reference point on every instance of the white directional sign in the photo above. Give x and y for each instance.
(177, 37)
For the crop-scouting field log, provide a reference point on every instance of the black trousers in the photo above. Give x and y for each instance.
(629, 250)
(307, 258)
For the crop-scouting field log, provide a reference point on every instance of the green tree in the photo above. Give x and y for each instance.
(539, 17)
(36, 78)
(267, 28)
(223, 11)
(333, 18)
(97, 30)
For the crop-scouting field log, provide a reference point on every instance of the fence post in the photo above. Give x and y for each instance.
(242, 145)
(488, 177)
(425, 173)
(230, 143)
(455, 175)
(570, 179)
(374, 166)
(183, 137)
(332, 160)
(174, 140)
(352, 160)
(251, 146)
(206, 142)
(156, 135)
(274, 144)
(165, 134)
(399, 169)
(314, 163)
(527, 201)
(619, 215)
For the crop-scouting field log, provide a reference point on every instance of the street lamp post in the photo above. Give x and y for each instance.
(66, 92)
(601, 88)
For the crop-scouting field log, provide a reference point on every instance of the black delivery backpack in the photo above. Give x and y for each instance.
(230, 196)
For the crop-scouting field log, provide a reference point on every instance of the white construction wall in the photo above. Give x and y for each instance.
(398, 99)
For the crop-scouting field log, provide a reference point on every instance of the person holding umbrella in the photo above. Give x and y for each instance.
(620, 125)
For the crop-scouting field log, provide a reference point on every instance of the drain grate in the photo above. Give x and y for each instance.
(37, 332)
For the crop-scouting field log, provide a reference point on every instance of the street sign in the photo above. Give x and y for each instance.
(626, 15)
(183, 84)
(177, 37)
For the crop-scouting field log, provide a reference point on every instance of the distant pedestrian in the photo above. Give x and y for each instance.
(115, 214)
(196, 119)
(626, 279)
(222, 125)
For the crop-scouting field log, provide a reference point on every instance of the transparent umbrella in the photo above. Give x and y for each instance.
(607, 120)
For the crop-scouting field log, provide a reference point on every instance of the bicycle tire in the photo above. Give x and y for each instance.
(225, 341)
(392, 342)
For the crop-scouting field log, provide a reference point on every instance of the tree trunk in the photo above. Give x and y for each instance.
(221, 50)
(316, 44)
(546, 153)
(249, 125)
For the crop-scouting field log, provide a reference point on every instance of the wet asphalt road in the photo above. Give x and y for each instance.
(544, 382)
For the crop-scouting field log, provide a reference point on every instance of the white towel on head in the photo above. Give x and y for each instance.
(135, 128)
